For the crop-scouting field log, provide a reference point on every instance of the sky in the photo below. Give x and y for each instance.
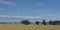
(12, 10)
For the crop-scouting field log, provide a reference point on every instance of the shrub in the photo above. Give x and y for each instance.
(50, 22)
(25, 22)
(37, 23)
(44, 23)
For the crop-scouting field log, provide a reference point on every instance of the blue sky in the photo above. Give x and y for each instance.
(45, 9)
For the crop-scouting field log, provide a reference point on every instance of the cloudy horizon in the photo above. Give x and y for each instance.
(42, 9)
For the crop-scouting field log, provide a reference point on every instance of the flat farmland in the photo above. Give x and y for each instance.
(28, 27)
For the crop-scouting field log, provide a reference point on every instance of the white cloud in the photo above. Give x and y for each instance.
(6, 16)
(54, 16)
(49, 14)
(8, 3)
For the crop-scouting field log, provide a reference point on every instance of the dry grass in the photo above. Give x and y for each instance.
(28, 27)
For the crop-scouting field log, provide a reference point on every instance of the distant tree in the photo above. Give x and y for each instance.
(10, 22)
(54, 23)
(37, 22)
(50, 22)
(25, 22)
(15, 22)
(44, 22)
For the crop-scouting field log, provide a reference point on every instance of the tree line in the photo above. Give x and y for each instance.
(26, 22)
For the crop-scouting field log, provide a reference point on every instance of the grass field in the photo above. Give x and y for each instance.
(28, 27)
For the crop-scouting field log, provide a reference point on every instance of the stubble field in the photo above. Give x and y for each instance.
(28, 27)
